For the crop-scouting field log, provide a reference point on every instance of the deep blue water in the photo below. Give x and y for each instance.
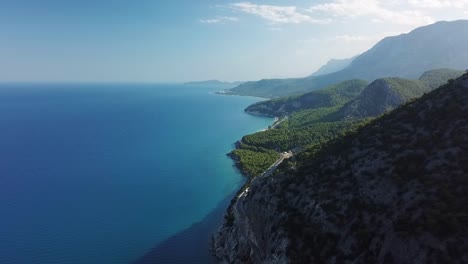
(99, 174)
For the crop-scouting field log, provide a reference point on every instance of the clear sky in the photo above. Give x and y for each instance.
(175, 41)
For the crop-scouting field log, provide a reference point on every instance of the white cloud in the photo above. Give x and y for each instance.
(374, 9)
(219, 20)
(277, 14)
(438, 3)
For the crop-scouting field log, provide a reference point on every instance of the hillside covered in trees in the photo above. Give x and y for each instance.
(312, 119)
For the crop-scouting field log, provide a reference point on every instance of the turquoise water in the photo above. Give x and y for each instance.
(104, 173)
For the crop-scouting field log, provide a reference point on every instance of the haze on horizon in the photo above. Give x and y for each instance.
(150, 41)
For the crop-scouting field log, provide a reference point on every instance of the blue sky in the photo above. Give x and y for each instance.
(152, 41)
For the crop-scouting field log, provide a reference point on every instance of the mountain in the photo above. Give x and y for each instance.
(214, 83)
(438, 77)
(274, 88)
(380, 96)
(383, 95)
(332, 66)
(327, 97)
(386, 94)
(394, 191)
(440, 45)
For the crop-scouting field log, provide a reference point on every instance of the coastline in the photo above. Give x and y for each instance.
(223, 92)
(229, 211)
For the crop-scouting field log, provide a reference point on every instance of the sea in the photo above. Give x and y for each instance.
(116, 173)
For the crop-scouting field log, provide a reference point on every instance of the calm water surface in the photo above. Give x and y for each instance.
(98, 174)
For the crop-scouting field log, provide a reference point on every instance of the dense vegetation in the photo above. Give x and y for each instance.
(252, 160)
(304, 129)
(438, 77)
(383, 95)
(330, 96)
(313, 119)
(300, 130)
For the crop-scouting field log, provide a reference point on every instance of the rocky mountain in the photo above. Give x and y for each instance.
(440, 45)
(332, 66)
(327, 97)
(394, 191)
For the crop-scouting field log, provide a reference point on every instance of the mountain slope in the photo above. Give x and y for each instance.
(440, 45)
(393, 192)
(438, 77)
(383, 95)
(396, 90)
(332, 66)
(274, 88)
(328, 97)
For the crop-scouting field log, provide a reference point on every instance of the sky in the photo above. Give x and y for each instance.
(178, 41)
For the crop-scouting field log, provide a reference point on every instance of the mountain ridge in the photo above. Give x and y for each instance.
(439, 45)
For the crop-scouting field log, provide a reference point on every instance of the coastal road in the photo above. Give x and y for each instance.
(239, 208)
(272, 168)
(279, 122)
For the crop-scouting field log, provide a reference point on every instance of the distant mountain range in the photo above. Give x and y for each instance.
(440, 45)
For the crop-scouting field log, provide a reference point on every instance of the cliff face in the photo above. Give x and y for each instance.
(393, 192)
(249, 234)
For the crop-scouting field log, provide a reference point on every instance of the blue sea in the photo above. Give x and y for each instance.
(116, 173)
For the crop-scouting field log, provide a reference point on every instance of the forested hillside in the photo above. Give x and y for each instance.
(312, 119)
